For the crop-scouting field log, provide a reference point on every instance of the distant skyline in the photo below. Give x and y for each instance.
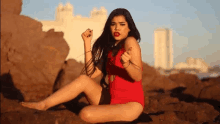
(195, 24)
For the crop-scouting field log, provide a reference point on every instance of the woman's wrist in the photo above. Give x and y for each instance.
(88, 51)
(87, 43)
(87, 47)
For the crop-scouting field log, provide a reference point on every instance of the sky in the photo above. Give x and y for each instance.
(195, 23)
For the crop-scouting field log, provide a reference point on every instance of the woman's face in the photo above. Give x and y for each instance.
(119, 28)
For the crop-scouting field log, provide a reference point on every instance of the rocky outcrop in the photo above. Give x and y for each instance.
(153, 80)
(71, 69)
(11, 6)
(29, 56)
(193, 84)
(211, 90)
(33, 66)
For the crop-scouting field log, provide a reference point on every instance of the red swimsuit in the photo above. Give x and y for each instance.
(123, 88)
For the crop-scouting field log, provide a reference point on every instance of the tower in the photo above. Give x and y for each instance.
(69, 9)
(64, 13)
(163, 50)
(73, 25)
(99, 14)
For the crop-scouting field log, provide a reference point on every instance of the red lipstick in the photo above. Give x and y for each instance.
(116, 34)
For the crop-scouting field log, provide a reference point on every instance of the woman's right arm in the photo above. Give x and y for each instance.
(87, 37)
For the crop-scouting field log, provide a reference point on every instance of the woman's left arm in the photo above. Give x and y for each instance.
(132, 59)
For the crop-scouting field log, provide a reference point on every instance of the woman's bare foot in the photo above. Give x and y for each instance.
(34, 105)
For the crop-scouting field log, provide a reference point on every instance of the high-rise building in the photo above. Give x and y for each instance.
(163, 50)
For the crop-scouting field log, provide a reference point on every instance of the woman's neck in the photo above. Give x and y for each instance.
(116, 43)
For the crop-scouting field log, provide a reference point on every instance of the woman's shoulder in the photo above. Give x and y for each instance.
(130, 41)
(130, 38)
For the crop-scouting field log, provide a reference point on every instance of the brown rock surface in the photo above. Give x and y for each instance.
(153, 80)
(193, 84)
(29, 56)
(70, 71)
(212, 90)
(11, 6)
(33, 65)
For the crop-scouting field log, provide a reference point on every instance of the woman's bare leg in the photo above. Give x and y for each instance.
(111, 113)
(82, 84)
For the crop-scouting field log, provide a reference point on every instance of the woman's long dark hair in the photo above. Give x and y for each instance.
(106, 42)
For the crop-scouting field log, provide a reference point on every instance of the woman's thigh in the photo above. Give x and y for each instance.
(92, 90)
(107, 113)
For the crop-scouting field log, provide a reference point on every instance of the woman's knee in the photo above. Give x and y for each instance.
(84, 77)
(85, 115)
(134, 112)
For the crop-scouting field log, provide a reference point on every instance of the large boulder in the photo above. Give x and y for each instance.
(192, 82)
(30, 58)
(152, 80)
(212, 89)
(71, 70)
(33, 64)
(11, 6)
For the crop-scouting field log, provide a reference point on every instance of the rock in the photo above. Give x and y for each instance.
(68, 73)
(212, 91)
(31, 57)
(71, 70)
(11, 6)
(167, 117)
(195, 112)
(193, 84)
(152, 80)
(13, 113)
(149, 71)
(33, 60)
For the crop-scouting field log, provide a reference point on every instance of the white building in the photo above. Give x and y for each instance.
(193, 63)
(163, 50)
(74, 26)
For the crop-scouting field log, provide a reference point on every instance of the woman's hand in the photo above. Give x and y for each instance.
(125, 57)
(87, 35)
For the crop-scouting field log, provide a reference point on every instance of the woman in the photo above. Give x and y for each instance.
(117, 55)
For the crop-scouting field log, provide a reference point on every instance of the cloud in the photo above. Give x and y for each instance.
(209, 21)
(183, 56)
(147, 44)
(215, 63)
(148, 59)
(196, 41)
(215, 36)
(185, 26)
(190, 28)
(207, 6)
(179, 43)
(146, 30)
(210, 53)
(197, 46)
